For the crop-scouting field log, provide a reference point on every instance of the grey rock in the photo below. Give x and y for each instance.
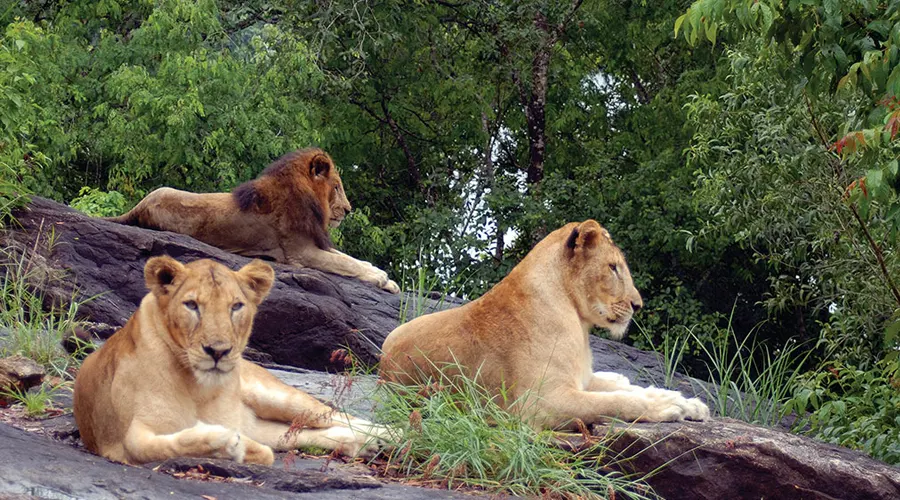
(307, 316)
(34, 466)
(726, 458)
(18, 373)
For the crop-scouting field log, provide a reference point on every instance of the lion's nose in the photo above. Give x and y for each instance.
(216, 353)
(636, 306)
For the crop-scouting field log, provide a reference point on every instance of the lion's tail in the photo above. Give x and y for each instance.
(129, 219)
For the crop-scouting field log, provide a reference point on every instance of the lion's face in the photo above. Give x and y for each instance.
(208, 310)
(338, 202)
(327, 184)
(601, 282)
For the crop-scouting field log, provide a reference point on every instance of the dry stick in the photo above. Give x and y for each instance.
(878, 255)
(838, 170)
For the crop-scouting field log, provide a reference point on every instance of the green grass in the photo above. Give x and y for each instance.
(35, 401)
(421, 286)
(748, 380)
(454, 433)
(30, 324)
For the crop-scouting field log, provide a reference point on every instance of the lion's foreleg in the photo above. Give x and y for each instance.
(610, 381)
(202, 440)
(649, 405)
(272, 399)
(336, 262)
(360, 439)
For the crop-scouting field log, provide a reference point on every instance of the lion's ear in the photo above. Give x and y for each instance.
(587, 236)
(258, 278)
(160, 273)
(320, 166)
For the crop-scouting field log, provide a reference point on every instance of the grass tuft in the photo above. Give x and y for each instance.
(454, 433)
(31, 325)
(36, 401)
(748, 380)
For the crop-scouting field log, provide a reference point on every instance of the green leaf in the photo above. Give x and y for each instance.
(711, 32)
(768, 17)
(890, 333)
(874, 179)
(679, 21)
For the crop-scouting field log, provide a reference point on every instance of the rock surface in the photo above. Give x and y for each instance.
(18, 373)
(39, 467)
(308, 314)
(725, 458)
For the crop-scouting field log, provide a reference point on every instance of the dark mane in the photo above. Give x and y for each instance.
(315, 225)
(286, 161)
(247, 197)
(250, 197)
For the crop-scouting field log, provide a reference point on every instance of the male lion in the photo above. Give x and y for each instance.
(283, 215)
(529, 335)
(172, 381)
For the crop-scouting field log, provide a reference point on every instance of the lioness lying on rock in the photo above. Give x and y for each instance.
(172, 381)
(529, 335)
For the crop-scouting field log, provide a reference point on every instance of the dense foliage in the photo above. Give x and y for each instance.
(741, 152)
(799, 163)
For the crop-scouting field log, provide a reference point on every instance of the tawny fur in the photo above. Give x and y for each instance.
(529, 337)
(172, 381)
(283, 215)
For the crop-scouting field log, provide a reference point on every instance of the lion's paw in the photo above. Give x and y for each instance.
(669, 406)
(359, 441)
(391, 286)
(380, 278)
(228, 443)
(259, 454)
(695, 409)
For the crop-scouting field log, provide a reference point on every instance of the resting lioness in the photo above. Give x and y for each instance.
(529, 335)
(172, 381)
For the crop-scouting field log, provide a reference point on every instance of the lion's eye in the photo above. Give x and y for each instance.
(614, 268)
(237, 306)
(190, 304)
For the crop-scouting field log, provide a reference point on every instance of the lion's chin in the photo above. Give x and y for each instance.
(333, 223)
(617, 329)
(212, 375)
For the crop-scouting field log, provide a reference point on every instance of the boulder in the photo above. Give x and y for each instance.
(308, 314)
(726, 458)
(18, 374)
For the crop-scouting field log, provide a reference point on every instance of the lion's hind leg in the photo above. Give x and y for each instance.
(143, 445)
